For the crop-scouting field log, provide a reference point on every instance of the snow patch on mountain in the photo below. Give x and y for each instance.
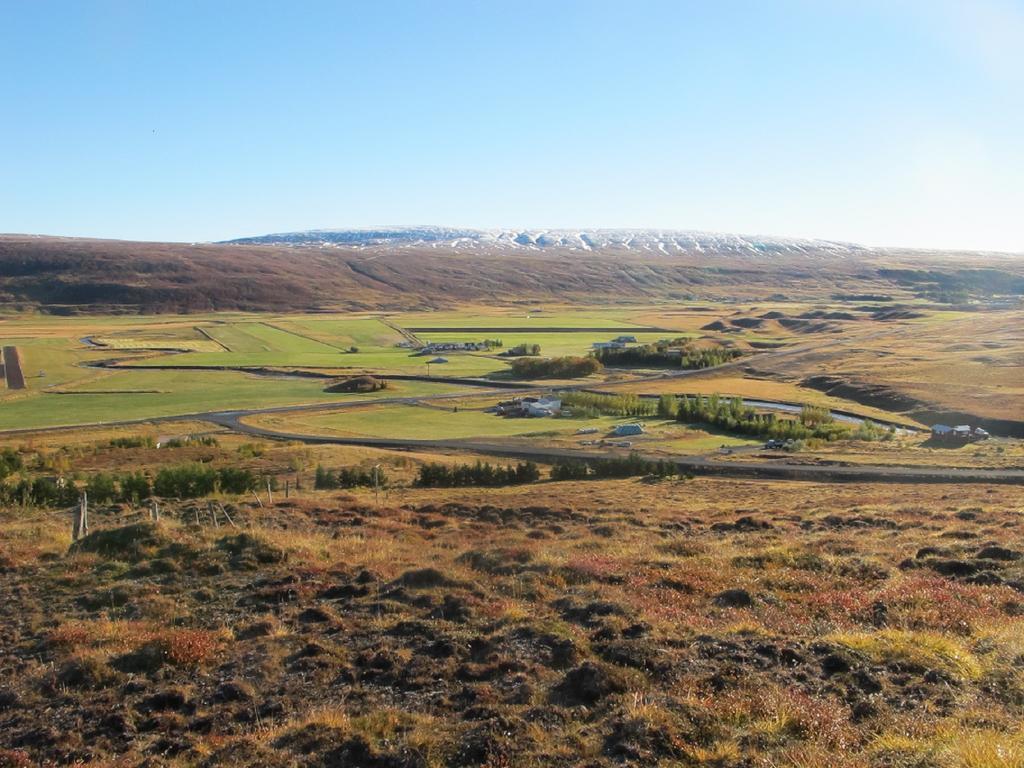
(656, 242)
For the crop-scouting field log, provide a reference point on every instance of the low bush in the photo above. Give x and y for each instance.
(349, 477)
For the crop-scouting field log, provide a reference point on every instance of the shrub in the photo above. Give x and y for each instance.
(131, 442)
(10, 462)
(349, 477)
(185, 482)
(233, 480)
(101, 488)
(135, 487)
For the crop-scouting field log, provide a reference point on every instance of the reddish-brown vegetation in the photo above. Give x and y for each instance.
(606, 623)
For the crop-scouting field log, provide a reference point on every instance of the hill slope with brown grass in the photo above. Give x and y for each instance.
(69, 275)
(602, 624)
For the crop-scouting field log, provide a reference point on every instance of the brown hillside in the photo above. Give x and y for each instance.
(68, 275)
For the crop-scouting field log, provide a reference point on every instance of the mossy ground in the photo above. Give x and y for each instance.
(680, 623)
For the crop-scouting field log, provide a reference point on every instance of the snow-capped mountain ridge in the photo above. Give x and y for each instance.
(648, 241)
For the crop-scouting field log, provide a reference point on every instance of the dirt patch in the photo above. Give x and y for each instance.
(356, 384)
(12, 368)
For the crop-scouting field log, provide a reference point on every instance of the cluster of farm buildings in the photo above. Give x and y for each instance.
(432, 348)
(529, 407)
(541, 407)
(964, 433)
(619, 342)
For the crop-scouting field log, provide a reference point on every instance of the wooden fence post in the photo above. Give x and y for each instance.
(270, 493)
(155, 511)
(225, 513)
(80, 524)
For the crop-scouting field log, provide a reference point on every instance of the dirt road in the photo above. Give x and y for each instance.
(703, 465)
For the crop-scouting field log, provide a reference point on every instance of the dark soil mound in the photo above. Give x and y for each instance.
(747, 322)
(130, 543)
(717, 325)
(587, 684)
(357, 384)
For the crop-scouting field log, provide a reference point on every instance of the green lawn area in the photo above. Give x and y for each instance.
(57, 358)
(262, 338)
(342, 332)
(138, 394)
(416, 423)
(380, 359)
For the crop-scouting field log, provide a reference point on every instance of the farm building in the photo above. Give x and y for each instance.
(536, 407)
(432, 348)
(543, 407)
(962, 433)
(625, 339)
(608, 345)
(438, 361)
(624, 430)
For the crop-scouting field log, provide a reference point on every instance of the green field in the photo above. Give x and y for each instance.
(50, 361)
(342, 333)
(136, 394)
(63, 389)
(390, 360)
(261, 337)
(424, 423)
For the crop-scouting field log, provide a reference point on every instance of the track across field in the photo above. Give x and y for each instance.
(629, 329)
(12, 368)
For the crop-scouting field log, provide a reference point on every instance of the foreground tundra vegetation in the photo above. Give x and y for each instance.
(611, 622)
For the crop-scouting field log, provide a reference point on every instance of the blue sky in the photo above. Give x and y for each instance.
(888, 122)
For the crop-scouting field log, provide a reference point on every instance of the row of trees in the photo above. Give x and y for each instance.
(481, 474)
(732, 415)
(349, 477)
(591, 404)
(555, 367)
(632, 466)
(672, 354)
(188, 481)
